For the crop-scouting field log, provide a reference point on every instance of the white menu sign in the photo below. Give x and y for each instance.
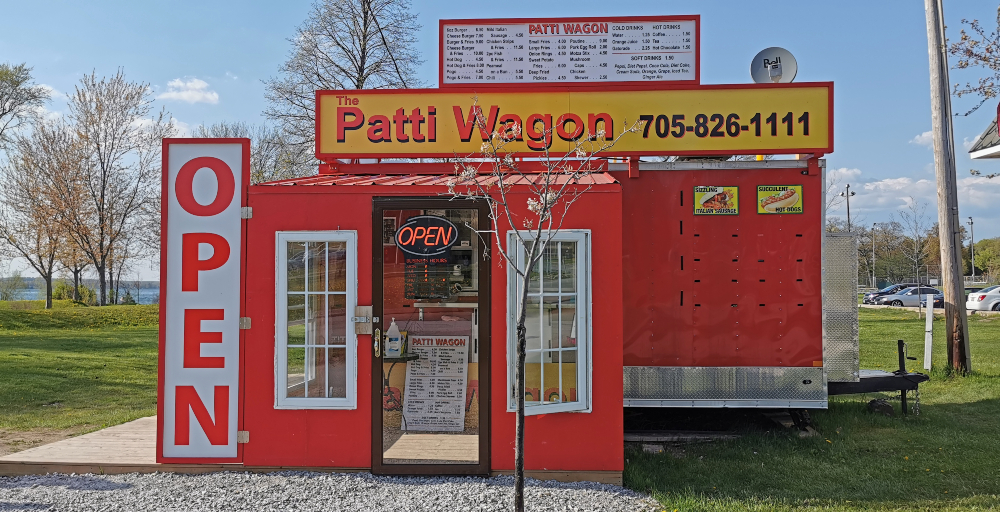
(434, 396)
(569, 51)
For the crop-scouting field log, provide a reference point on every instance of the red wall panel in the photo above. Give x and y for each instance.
(733, 290)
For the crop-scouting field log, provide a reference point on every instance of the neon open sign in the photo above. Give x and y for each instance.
(426, 235)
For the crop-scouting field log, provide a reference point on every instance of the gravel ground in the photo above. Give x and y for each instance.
(305, 491)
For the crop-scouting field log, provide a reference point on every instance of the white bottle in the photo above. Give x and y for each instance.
(394, 341)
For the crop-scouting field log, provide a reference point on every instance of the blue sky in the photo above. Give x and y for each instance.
(205, 61)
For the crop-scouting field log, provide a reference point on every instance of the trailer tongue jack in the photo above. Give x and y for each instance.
(876, 381)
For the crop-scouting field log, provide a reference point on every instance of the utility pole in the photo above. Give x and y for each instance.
(956, 321)
(972, 250)
(847, 194)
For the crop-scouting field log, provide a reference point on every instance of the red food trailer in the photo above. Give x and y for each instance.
(362, 318)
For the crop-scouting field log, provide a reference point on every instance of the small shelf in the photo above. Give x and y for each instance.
(456, 305)
(401, 359)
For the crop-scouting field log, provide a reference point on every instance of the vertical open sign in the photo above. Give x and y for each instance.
(201, 277)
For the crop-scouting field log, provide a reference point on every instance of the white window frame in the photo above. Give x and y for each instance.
(584, 378)
(281, 401)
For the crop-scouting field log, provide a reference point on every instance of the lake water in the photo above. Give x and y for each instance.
(146, 295)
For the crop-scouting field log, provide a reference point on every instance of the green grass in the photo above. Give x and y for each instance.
(20, 305)
(947, 458)
(81, 368)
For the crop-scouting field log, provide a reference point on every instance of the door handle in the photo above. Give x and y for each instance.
(377, 339)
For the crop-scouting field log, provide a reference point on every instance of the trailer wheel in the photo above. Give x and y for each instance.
(897, 303)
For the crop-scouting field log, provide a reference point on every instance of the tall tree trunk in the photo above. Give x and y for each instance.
(76, 283)
(102, 296)
(48, 290)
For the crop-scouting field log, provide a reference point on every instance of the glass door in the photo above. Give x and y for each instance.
(431, 369)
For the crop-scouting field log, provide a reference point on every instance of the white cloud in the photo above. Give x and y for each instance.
(925, 139)
(183, 129)
(190, 91)
(53, 92)
(967, 144)
(842, 174)
(231, 76)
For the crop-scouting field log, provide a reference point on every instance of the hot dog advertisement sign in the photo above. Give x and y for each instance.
(773, 199)
(716, 200)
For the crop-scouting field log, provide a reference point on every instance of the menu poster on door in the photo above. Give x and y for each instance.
(434, 396)
(568, 50)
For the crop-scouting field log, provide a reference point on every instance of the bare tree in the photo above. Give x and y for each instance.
(914, 223)
(977, 48)
(554, 186)
(21, 100)
(343, 44)
(28, 199)
(102, 201)
(272, 157)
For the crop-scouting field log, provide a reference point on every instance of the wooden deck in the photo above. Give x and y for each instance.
(131, 448)
(130, 443)
(434, 448)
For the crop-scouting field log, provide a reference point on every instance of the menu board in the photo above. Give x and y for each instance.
(569, 50)
(434, 396)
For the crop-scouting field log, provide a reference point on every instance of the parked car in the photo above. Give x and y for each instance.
(987, 299)
(971, 290)
(938, 301)
(909, 297)
(870, 297)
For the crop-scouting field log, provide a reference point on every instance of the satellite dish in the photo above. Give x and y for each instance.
(773, 66)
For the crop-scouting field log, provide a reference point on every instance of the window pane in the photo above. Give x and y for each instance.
(532, 383)
(337, 368)
(296, 266)
(337, 319)
(296, 319)
(315, 372)
(550, 322)
(567, 322)
(534, 276)
(567, 254)
(550, 267)
(337, 266)
(552, 381)
(533, 324)
(317, 266)
(568, 378)
(295, 375)
(316, 325)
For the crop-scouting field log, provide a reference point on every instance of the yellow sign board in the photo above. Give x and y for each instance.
(699, 120)
(716, 200)
(773, 199)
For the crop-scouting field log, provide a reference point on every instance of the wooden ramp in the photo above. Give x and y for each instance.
(130, 443)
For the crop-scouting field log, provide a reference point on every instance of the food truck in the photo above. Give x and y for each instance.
(363, 318)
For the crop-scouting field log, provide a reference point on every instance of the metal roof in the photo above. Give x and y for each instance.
(988, 144)
(424, 180)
